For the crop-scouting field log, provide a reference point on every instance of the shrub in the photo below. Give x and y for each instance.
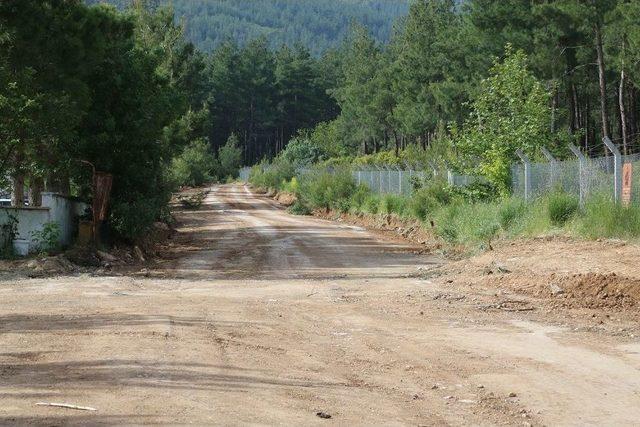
(322, 189)
(132, 219)
(48, 238)
(229, 158)
(303, 152)
(8, 233)
(271, 175)
(371, 204)
(290, 186)
(193, 167)
(485, 232)
(478, 191)
(299, 209)
(604, 218)
(561, 207)
(509, 212)
(434, 194)
(394, 204)
(359, 197)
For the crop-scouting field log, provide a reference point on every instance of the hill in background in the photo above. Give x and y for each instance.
(317, 24)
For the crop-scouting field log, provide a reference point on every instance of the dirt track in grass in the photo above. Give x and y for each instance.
(259, 317)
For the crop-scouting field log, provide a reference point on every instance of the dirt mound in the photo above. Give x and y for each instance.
(410, 230)
(595, 290)
(48, 265)
(286, 199)
(584, 290)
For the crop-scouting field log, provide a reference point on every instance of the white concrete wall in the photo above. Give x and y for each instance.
(64, 212)
(55, 208)
(29, 219)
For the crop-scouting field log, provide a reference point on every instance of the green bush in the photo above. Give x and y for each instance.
(299, 209)
(193, 167)
(427, 199)
(322, 189)
(561, 207)
(371, 204)
(48, 238)
(604, 218)
(509, 212)
(229, 159)
(290, 186)
(133, 219)
(272, 175)
(394, 204)
(360, 197)
(478, 191)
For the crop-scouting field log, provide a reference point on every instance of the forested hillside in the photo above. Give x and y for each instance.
(317, 25)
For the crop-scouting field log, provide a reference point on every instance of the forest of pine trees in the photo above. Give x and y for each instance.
(128, 91)
(317, 25)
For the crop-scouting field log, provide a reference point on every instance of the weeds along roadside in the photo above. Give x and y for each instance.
(472, 218)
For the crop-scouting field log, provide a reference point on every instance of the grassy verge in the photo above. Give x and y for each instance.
(462, 218)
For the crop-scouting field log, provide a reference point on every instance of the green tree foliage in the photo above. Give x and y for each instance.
(511, 112)
(265, 97)
(194, 166)
(229, 158)
(92, 85)
(318, 25)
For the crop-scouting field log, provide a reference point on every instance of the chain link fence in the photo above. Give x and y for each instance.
(583, 176)
(387, 179)
(244, 174)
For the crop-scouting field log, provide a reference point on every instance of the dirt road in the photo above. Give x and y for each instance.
(260, 317)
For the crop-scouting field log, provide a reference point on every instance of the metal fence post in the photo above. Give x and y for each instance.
(617, 168)
(527, 173)
(553, 163)
(450, 179)
(400, 181)
(581, 168)
(433, 167)
(359, 177)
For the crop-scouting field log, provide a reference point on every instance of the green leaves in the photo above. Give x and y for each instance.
(511, 111)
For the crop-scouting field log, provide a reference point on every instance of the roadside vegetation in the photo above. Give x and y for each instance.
(472, 218)
(510, 112)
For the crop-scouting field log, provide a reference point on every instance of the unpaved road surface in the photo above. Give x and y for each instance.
(260, 317)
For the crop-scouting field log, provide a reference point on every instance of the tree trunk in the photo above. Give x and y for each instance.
(623, 116)
(632, 113)
(577, 119)
(35, 191)
(17, 190)
(554, 106)
(602, 83)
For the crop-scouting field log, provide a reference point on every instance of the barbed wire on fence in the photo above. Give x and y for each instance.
(584, 175)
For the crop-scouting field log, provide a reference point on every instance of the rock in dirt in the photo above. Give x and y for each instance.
(323, 415)
(106, 257)
(50, 265)
(139, 254)
(555, 289)
(496, 268)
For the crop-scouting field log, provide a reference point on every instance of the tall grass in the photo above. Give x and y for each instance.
(603, 218)
(458, 221)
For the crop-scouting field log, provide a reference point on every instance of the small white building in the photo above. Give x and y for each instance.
(55, 208)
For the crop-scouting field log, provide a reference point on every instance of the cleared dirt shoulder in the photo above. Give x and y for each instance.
(260, 317)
